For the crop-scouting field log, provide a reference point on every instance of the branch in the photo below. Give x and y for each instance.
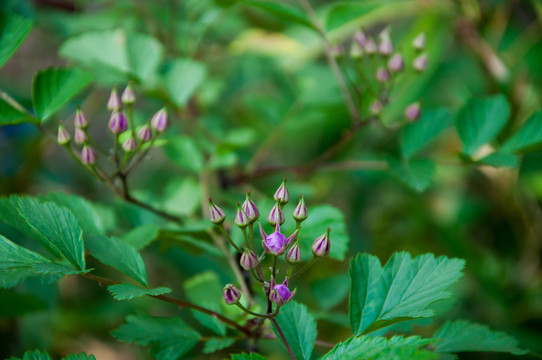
(276, 324)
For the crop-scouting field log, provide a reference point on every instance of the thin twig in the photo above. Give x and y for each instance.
(279, 330)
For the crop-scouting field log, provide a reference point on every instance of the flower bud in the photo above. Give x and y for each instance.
(282, 195)
(385, 46)
(356, 51)
(419, 42)
(160, 121)
(113, 104)
(370, 46)
(420, 63)
(413, 111)
(376, 107)
(231, 294)
(275, 243)
(321, 246)
(396, 63)
(145, 133)
(250, 209)
(280, 294)
(63, 137)
(360, 38)
(128, 96)
(241, 218)
(80, 119)
(274, 215)
(337, 51)
(216, 214)
(300, 211)
(382, 74)
(118, 123)
(293, 255)
(249, 260)
(88, 155)
(80, 136)
(129, 145)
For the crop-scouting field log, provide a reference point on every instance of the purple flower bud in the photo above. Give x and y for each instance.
(80, 119)
(88, 155)
(128, 96)
(113, 104)
(216, 214)
(396, 63)
(274, 215)
(231, 294)
(300, 211)
(241, 218)
(118, 123)
(321, 246)
(275, 243)
(282, 195)
(370, 46)
(376, 107)
(382, 74)
(280, 294)
(419, 42)
(249, 260)
(420, 63)
(80, 136)
(337, 51)
(356, 51)
(160, 121)
(385, 46)
(63, 136)
(145, 133)
(360, 38)
(413, 111)
(293, 255)
(250, 209)
(129, 145)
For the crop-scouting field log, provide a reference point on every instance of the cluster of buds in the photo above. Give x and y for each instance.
(275, 244)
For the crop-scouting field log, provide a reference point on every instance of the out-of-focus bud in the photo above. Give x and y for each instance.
(63, 137)
(160, 120)
(300, 211)
(396, 63)
(356, 50)
(419, 42)
(293, 255)
(280, 294)
(114, 104)
(249, 260)
(413, 112)
(376, 108)
(128, 96)
(282, 195)
(420, 63)
(231, 294)
(337, 51)
(360, 38)
(118, 123)
(274, 215)
(129, 145)
(250, 209)
(370, 46)
(80, 119)
(241, 218)
(216, 214)
(385, 46)
(321, 246)
(382, 74)
(80, 136)
(88, 155)
(145, 133)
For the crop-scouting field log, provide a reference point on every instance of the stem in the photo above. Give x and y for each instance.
(275, 323)
(251, 232)
(228, 237)
(130, 120)
(244, 230)
(266, 316)
(14, 103)
(305, 267)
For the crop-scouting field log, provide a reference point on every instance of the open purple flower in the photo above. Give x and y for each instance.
(280, 294)
(276, 243)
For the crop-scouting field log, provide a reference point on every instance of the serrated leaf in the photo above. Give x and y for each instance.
(415, 136)
(299, 329)
(342, 12)
(56, 225)
(13, 30)
(417, 174)
(184, 152)
(181, 79)
(119, 255)
(35, 355)
(127, 291)
(81, 356)
(12, 277)
(401, 290)
(170, 338)
(11, 116)
(141, 236)
(500, 159)
(215, 344)
(54, 87)
(461, 335)
(251, 356)
(13, 256)
(481, 120)
(282, 11)
(526, 138)
(83, 210)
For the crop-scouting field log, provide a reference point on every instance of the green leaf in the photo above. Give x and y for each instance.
(299, 329)
(215, 344)
(13, 256)
(119, 255)
(36, 355)
(56, 225)
(54, 87)
(461, 335)
(184, 152)
(500, 159)
(368, 347)
(181, 79)
(11, 116)
(415, 136)
(529, 136)
(127, 291)
(417, 174)
(13, 304)
(401, 290)
(251, 356)
(481, 120)
(13, 30)
(141, 236)
(13, 277)
(170, 338)
(81, 356)
(331, 290)
(281, 11)
(342, 12)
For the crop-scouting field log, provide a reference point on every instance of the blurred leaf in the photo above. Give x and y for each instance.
(481, 120)
(500, 159)
(54, 87)
(299, 329)
(34, 355)
(215, 344)
(342, 12)
(141, 236)
(184, 152)
(527, 137)
(119, 255)
(251, 356)
(11, 116)
(461, 335)
(13, 277)
(17, 304)
(170, 338)
(13, 30)
(331, 290)
(81, 356)
(182, 77)
(127, 291)
(402, 290)
(415, 136)
(281, 11)
(417, 174)
(182, 197)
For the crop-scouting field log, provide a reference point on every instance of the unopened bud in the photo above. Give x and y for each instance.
(382, 74)
(370, 46)
(160, 121)
(385, 46)
(419, 42)
(80, 119)
(376, 107)
(360, 38)
(396, 63)
(321, 246)
(129, 145)
(250, 208)
(231, 294)
(128, 96)
(282, 195)
(293, 255)
(63, 137)
(118, 123)
(88, 155)
(420, 63)
(337, 51)
(356, 50)
(249, 260)
(216, 214)
(413, 111)
(241, 218)
(145, 133)
(113, 104)
(280, 294)
(274, 215)
(80, 136)
(300, 211)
